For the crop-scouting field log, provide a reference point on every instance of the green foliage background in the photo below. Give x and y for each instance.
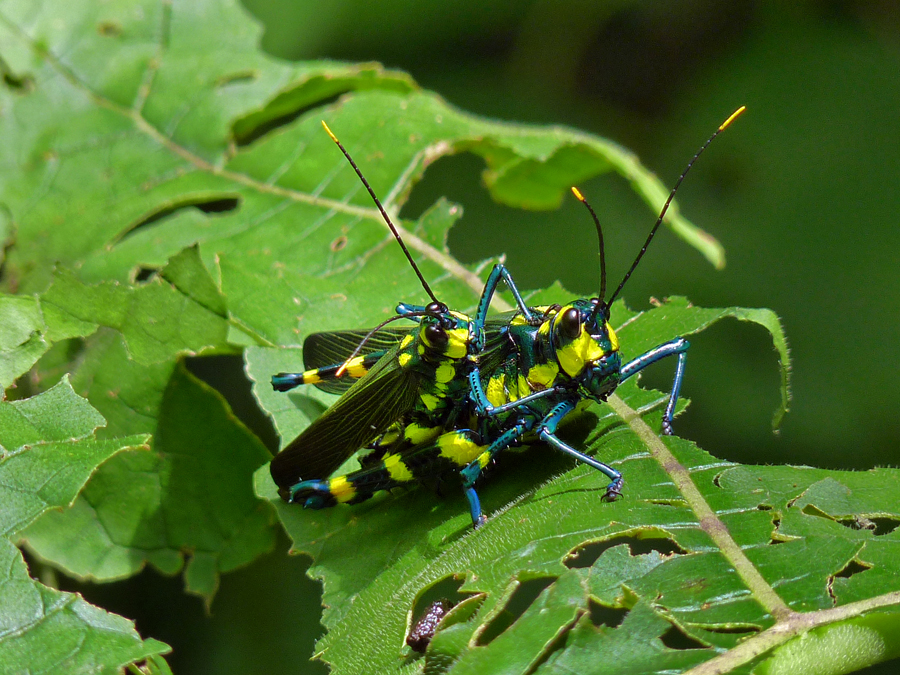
(803, 197)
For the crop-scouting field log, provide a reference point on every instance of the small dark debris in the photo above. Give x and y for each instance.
(339, 243)
(423, 630)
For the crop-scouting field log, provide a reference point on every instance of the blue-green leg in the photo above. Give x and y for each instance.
(490, 287)
(484, 408)
(677, 346)
(471, 472)
(546, 431)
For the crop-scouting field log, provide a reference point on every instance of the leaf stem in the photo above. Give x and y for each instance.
(710, 523)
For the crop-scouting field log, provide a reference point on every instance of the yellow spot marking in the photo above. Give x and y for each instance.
(457, 343)
(445, 372)
(543, 374)
(341, 489)
(524, 389)
(397, 469)
(518, 320)
(613, 339)
(496, 390)
(430, 402)
(417, 435)
(356, 368)
(458, 448)
(311, 377)
(421, 349)
(484, 459)
(404, 343)
(391, 436)
(404, 359)
(544, 330)
(574, 355)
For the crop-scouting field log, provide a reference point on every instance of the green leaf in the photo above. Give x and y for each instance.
(159, 168)
(49, 451)
(172, 194)
(189, 499)
(46, 631)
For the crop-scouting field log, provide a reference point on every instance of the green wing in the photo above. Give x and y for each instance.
(369, 407)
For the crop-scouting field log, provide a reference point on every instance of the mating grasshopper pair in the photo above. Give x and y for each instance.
(452, 392)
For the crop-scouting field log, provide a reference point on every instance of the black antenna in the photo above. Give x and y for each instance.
(671, 197)
(600, 251)
(387, 218)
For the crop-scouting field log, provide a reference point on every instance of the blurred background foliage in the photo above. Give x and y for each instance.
(802, 191)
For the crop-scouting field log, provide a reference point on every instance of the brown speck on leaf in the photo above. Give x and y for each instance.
(109, 29)
(338, 244)
(655, 302)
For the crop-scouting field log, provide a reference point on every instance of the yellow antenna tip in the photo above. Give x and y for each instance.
(724, 124)
(577, 194)
(334, 138)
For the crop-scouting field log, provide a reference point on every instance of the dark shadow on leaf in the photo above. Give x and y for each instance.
(522, 598)
(225, 374)
(603, 616)
(206, 204)
(585, 555)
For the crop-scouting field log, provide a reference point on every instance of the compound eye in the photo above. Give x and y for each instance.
(570, 323)
(435, 336)
(436, 309)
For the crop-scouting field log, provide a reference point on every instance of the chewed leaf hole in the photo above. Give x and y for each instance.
(205, 204)
(237, 77)
(851, 568)
(280, 112)
(522, 598)
(733, 630)
(144, 274)
(601, 615)
(675, 638)
(587, 554)
(877, 526)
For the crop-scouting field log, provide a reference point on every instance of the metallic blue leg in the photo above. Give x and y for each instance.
(546, 431)
(471, 472)
(499, 272)
(484, 408)
(677, 346)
